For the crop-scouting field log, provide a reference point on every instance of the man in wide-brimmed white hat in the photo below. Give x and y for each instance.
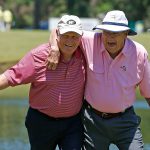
(116, 65)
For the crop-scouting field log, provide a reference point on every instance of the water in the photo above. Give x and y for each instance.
(13, 134)
(141, 105)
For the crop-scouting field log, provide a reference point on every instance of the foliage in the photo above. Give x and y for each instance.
(25, 10)
(22, 12)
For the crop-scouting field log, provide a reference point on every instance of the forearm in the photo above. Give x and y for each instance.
(53, 40)
(53, 58)
(3, 82)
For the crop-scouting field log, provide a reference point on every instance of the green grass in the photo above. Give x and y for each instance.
(145, 122)
(144, 40)
(18, 92)
(14, 44)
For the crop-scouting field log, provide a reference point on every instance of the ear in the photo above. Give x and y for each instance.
(127, 32)
(57, 32)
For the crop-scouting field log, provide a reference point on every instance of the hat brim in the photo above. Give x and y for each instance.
(115, 28)
(62, 31)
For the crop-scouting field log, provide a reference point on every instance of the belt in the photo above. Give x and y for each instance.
(32, 110)
(104, 114)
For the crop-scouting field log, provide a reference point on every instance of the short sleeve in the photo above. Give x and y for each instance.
(145, 82)
(23, 72)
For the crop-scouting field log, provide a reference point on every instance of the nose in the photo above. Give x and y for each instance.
(70, 40)
(112, 34)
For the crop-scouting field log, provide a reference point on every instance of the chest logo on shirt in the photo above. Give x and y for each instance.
(123, 68)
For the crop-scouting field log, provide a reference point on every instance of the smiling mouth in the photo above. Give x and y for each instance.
(68, 45)
(111, 44)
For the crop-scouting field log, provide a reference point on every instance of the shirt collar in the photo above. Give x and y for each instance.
(76, 55)
(127, 49)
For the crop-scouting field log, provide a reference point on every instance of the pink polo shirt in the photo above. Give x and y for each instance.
(56, 93)
(111, 83)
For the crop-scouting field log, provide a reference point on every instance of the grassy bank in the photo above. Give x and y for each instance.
(13, 46)
(16, 43)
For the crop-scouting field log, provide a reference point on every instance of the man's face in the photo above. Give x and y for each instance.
(68, 42)
(114, 42)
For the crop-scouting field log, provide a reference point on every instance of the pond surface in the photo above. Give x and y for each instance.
(13, 134)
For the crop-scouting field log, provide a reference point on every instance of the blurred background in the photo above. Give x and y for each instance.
(25, 24)
(35, 14)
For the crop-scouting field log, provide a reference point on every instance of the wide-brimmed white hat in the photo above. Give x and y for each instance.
(70, 23)
(115, 21)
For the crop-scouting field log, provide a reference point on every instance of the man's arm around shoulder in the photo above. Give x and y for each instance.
(53, 58)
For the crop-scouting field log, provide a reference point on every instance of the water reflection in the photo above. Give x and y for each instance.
(13, 134)
(12, 129)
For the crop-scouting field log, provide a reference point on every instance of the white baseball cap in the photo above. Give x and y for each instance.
(70, 23)
(115, 21)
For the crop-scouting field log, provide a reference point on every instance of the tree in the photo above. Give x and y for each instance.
(29, 12)
(37, 13)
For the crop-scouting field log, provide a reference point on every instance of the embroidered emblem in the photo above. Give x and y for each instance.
(123, 68)
(113, 17)
(71, 22)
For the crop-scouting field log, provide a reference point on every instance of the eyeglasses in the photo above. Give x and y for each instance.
(114, 33)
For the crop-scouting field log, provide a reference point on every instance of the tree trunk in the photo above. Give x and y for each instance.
(37, 13)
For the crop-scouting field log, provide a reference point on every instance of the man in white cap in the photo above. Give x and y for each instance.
(55, 97)
(116, 65)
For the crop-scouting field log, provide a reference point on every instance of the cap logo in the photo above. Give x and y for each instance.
(113, 17)
(123, 68)
(71, 22)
